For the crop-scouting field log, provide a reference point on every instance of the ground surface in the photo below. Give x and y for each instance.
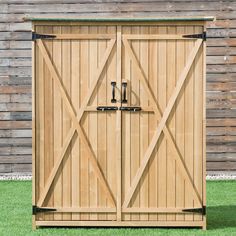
(15, 214)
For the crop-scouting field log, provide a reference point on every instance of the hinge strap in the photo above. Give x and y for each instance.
(196, 36)
(36, 209)
(42, 36)
(196, 210)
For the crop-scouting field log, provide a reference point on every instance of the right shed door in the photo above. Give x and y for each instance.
(162, 145)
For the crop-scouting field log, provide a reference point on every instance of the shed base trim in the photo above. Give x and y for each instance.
(123, 223)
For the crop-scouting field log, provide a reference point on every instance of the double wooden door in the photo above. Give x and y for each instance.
(118, 125)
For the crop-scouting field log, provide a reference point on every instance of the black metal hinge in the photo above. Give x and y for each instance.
(196, 210)
(196, 36)
(42, 36)
(36, 209)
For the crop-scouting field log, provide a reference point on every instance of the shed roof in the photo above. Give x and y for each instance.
(118, 19)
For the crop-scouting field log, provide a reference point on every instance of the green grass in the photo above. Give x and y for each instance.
(15, 214)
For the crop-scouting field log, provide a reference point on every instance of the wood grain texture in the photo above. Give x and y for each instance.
(75, 143)
(77, 151)
(167, 188)
(15, 49)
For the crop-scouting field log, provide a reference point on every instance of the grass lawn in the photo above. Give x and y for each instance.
(15, 214)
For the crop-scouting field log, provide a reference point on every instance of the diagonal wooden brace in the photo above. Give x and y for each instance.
(162, 125)
(76, 124)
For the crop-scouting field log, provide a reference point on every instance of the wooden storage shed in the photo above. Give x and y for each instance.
(119, 122)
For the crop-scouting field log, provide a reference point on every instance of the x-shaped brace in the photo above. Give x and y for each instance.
(75, 122)
(162, 124)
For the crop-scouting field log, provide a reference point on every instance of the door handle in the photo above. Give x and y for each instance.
(107, 108)
(134, 109)
(113, 84)
(124, 86)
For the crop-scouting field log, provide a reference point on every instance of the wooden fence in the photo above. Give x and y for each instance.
(15, 70)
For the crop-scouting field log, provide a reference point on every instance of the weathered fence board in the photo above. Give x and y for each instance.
(119, 7)
(15, 69)
(19, 159)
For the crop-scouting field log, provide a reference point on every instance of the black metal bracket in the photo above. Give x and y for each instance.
(124, 85)
(113, 84)
(36, 210)
(36, 36)
(196, 36)
(134, 109)
(196, 210)
(107, 108)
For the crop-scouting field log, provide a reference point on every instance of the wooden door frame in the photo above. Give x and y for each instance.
(161, 116)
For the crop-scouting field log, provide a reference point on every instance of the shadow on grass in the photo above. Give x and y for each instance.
(220, 217)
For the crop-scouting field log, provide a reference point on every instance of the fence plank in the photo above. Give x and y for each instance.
(221, 130)
(120, 7)
(224, 165)
(219, 77)
(221, 68)
(16, 115)
(221, 139)
(20, 44)
(17, 159)
(220, 60)
(15, 150)
(211, 51)
(221, 42)
(12, 168)
(16, 142)
(4, 44)
(15, 80)
(19, 71)
(15, 53)
(15, 36)
(221, 122)
(15, 107)
(213, 95)
(220, 113)
(13, 133)
(221, 86)
(15, 89)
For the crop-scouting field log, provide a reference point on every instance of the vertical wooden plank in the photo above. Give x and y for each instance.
(204, 129)
(84, 85)
(93, 119)
(144, 182)
(66, 77)
(48, 121)
(162, 86)
(40, 123)
(102, 122)
(111, 123)
(152, 122)
(135, 123)
(75, 98)
(171, 74)
(34, 186)
(58, 121)
(126, 125)
(37, 127)
(198, 121)
(118, 126)
(180, 63)
(188, 120)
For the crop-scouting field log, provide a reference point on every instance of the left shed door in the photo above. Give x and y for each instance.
(74, 143)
